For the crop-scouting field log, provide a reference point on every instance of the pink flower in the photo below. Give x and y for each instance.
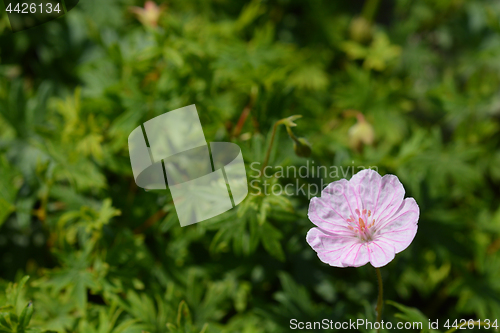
(362, 220)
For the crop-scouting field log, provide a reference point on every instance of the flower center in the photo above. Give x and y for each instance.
(361, 225)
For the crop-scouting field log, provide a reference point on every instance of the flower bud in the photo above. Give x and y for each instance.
(361, 133)
(302, 147)
(148, 15)
(360, 30)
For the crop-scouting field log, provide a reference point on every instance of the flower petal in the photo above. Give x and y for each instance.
(400, 229)
(326, 218)
(355, 256)
(337, 203)
(380, 252)
(382, 195)
(329, 247)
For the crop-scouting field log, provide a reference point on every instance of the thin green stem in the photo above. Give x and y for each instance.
(370, 9)
(290, 133)
(64, 6)
(380, 300)
(288, 122)
(269, 148)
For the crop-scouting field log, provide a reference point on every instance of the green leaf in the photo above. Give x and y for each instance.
(412, 315)
(25, 317)
(271, 241)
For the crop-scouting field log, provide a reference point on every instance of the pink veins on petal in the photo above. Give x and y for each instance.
(365, 219)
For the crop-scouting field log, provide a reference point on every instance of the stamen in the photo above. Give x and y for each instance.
(364, 211)
(357, 211)
(361, 223)
(369, 213)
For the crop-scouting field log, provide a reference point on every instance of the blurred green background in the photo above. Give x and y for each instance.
(105, 256)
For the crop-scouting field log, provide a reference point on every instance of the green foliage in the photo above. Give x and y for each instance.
(11, 321)
(103, 256)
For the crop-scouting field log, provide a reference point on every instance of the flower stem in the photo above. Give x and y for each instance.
(268, 153)
(370, 9)
(380, 300)
(288, 122)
